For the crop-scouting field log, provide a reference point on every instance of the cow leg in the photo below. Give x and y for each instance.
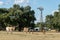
(7, 31)
(11, 31)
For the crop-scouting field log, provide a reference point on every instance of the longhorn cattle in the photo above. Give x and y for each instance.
(10, 29)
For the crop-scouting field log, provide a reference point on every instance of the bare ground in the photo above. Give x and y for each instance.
(29, 36)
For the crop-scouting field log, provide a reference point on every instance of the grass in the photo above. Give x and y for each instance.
(29, 36)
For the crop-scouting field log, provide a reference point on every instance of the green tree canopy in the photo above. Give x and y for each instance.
(16, 15)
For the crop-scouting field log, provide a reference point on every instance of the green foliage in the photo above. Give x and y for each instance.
(53, 21)
(49, 21)
(16, 15)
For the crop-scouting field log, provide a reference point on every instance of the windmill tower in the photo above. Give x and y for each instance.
(41, 17)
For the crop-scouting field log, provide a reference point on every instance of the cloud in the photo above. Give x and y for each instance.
(1, 3)
(4, 3)
(21, 1)
(54, 11)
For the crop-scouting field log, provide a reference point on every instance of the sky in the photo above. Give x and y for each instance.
(49, 6)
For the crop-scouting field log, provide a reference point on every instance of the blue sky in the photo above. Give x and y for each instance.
(49, 6)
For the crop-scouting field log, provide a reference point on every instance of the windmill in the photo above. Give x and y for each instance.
(41, 17)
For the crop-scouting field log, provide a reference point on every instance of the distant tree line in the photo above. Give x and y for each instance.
(53, 21)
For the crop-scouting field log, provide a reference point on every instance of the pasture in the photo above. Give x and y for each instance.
(29, 36)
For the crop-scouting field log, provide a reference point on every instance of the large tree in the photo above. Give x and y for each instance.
(16, 15)
(49, 21)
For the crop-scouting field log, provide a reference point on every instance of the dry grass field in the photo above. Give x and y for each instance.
(29, 36)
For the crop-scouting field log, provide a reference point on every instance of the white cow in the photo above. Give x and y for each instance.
(10, 29)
